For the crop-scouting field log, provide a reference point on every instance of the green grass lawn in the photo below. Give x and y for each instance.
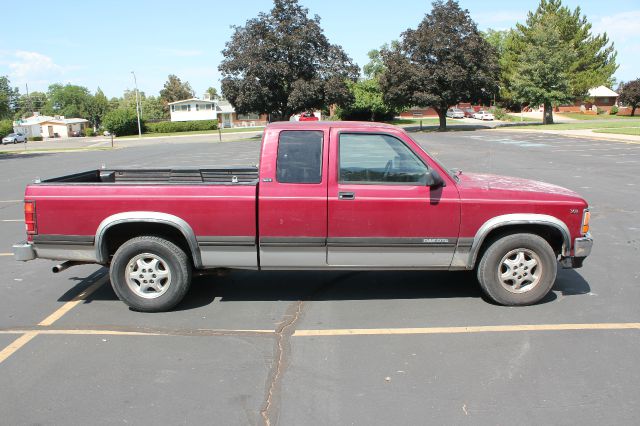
(584, 126)
(416, 121)
(634, 131)
(587, 117)
(197, 132)
(516, 119)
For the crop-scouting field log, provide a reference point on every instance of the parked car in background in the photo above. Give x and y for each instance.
(308, 116)
(455, 113)
(14, 138)
(483, 115)
(468, 112)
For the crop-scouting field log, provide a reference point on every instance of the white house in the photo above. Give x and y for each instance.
(50, 127)
(205, 109)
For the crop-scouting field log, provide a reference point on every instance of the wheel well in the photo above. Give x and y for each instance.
(118, 234)
(551, 234)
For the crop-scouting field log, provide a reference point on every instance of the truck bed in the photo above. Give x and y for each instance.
(223, 176)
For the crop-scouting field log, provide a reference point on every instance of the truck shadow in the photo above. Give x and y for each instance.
(243, 286)
(369, 285)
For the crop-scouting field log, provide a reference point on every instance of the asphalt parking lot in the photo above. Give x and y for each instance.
(368, 348)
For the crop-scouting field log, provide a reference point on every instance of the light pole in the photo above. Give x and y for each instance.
(135, 82)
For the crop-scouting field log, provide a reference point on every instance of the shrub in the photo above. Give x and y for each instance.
(35, 138)
(614, 110)
(121, 122)
(181, 126)
(6, 127)
(89, 131)
(500, 114)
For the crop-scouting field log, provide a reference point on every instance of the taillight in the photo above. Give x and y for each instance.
(30, 217)
(585, 221)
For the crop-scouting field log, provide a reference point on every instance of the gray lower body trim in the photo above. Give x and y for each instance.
(228, 252)
(66, 251)
(240, 257)
(287, 257)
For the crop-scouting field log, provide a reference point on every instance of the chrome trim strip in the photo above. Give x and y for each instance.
(293, 242)
(518, 219)
(63, 239)
(423, 242)
(148, 217)
(226, 241)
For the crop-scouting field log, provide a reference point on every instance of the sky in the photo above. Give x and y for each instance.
(99, 44)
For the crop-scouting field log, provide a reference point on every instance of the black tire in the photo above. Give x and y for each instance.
(170, 274)
(500, 272)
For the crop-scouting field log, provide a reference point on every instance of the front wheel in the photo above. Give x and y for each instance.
(517, 270)
(150, 274)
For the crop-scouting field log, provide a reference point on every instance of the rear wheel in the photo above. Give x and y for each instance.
(150, 274)
(518, 269)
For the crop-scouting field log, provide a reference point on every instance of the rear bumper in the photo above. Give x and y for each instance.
(581, 249)
(23, 252)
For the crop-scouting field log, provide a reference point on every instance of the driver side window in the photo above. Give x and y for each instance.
(378, 159)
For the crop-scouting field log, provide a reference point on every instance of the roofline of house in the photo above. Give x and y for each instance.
(192, 100)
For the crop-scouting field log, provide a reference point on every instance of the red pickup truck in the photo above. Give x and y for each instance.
(327, 196)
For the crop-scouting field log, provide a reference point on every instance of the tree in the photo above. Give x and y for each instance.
(375, 67)
(593, 63)
(630, 94)
(28, 104)
(121, 122)
(281, 63)
(441, 63)
(213, 93)
(542, 75)
(153, 108)
(68, 100)
(368, 103)
(97, 108)
(176, 90)
(8, 98)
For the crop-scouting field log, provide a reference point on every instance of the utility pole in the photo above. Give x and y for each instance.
(135, 82)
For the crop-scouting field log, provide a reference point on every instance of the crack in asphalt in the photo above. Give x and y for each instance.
(283, 333)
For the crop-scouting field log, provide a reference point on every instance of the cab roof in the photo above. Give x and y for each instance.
(323, 125)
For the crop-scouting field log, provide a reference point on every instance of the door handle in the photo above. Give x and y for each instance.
(346, 195)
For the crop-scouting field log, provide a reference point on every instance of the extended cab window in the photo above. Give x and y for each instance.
(371, 158)
(299, 157)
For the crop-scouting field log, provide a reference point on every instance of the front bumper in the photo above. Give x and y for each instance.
(581, 249)
(23, 252)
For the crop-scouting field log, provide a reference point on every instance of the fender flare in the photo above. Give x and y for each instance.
(519, 219)
(147, 217)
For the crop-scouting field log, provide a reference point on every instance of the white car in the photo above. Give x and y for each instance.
(455, 113)
(483, 115)
(14, 138)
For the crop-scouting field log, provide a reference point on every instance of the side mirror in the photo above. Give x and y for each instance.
(433, 179)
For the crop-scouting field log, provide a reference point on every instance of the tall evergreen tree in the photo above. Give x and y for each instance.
(593, 63)
(542, 76)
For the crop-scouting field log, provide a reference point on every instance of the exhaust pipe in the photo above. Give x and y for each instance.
(66, 265)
